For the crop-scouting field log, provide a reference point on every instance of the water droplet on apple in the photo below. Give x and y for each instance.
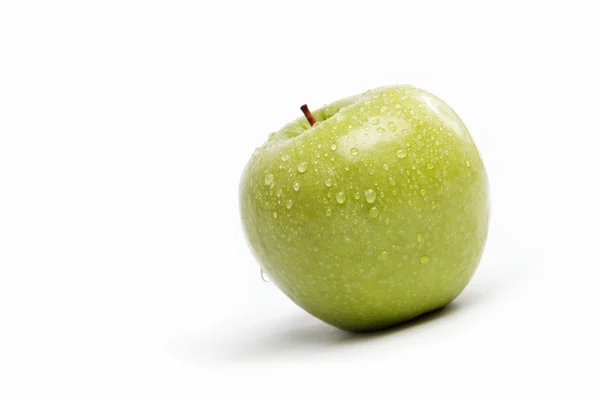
(334, 147)
(264, 276)
(328, 212)
(328, 182)
(420, 238)
(374, 213)
(302, 167)
(289, 203)
(296, 186)
(386, 167)
(392, 181)
(275, 214)
(374, 121)
(285, 157)
(423, 192)
(424, 260)
(392, 126)
(468, 163)
(357, 195)
(380, 130)
(429, 166)
(279, 192)
(354, 151)
(401, 153)
(340, 197)
(269, 179)
(370, 195)
(383, 256)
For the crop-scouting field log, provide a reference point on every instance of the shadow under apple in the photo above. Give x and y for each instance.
(308, 334)
(298, 336)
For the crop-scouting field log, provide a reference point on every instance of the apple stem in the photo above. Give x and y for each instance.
(308, 115)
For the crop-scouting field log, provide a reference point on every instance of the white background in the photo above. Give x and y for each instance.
(124, 129)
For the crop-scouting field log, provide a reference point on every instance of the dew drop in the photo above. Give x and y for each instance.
(269, 179)
(289, 203)
(285, 157)
(302, 167)
(420, 238)
(429, 166)
(296, 186)
(328, 212)
(383, 256)
(340, 197)
(468, 163)
(275, 214)
(380, 130)
(401, 153)
(357, 195)
(279, 192)
(423, 192)
(374, 213)
(392, 126)
(370, 195)
(334, 147)
(354, 151)
(328, 182)
(264, 276)
(386, 167)
(374, 121)
(424, 260)
(392, 181)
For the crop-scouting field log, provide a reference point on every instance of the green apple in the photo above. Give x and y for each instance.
(376, 214)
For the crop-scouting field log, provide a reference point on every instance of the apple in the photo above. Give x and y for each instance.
(370, 211)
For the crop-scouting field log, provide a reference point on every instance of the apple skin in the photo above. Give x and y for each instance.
(376, 214)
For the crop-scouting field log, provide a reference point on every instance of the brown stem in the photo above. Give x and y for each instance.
(308, 115)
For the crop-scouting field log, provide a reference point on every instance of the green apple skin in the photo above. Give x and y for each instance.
(376, 214)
